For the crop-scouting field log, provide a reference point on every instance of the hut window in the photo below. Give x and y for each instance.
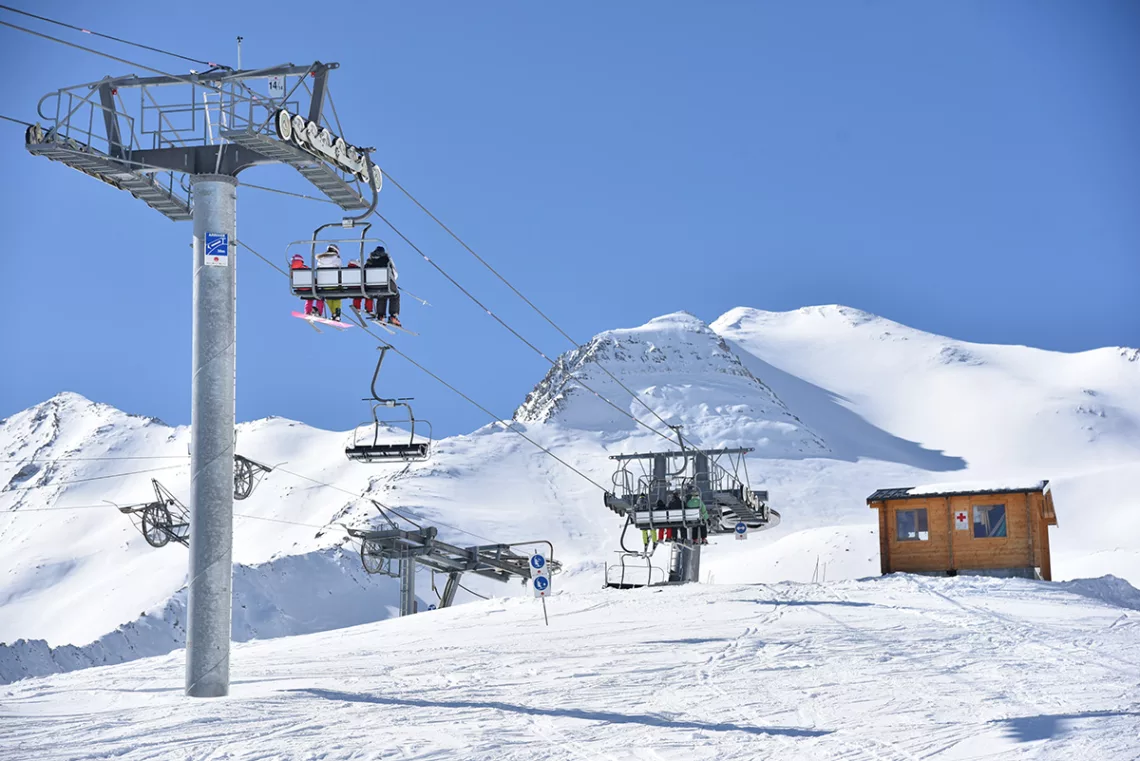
(989, 521)
(910, 525)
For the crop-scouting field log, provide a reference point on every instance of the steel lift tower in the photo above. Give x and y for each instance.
(177, 143)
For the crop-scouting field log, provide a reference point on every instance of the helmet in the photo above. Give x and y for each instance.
(333, 248)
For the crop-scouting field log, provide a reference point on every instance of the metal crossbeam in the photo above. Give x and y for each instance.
(493, 561)
(313, 169)
(681, 453)
(92, 162)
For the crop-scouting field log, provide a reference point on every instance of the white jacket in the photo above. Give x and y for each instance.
(328, 259)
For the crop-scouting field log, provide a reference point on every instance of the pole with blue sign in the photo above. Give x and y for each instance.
(741, 530)
(540, 581)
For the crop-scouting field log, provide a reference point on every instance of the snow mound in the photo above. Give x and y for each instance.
(296, 594)
(681, 372)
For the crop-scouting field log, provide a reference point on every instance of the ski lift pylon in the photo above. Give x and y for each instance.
(369, 449)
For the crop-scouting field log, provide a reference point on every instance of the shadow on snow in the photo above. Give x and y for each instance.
(850, 436)
(572, 713)
(1050, 726)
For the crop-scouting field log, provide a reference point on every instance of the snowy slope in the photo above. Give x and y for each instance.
(896, 668)
(997, 408)
(877, 390)
(814, 391)
(683, 373)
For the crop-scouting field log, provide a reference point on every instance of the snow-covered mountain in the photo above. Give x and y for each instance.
(682, 372)
(836, 403)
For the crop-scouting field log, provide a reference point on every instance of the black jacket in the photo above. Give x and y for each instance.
(378, 258)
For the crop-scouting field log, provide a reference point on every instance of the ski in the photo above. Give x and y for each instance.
(364, 323)
(312, 320)
(393, 328)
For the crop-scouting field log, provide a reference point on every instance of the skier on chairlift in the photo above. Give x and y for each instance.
(330, 257)
(701, 532)
(386, 305)
(311, 305)
(674, 504)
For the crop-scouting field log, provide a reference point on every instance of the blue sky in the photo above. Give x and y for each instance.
(968, 168)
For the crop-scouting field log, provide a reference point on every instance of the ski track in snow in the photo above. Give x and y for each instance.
(896, 668)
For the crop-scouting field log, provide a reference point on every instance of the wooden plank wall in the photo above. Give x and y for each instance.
(1026, 542)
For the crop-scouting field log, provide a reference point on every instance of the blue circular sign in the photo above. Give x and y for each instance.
(540, 583)
(741, 528)
(432, 606)
(537, 562)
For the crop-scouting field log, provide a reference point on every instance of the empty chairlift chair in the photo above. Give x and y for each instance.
(372, 442)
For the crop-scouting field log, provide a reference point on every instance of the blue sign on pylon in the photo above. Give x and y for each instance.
(537, 562)
(217, 250)
(541, 583)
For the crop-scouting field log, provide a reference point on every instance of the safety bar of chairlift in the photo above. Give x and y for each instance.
(351, 289)
(621, 579)
(393, 403)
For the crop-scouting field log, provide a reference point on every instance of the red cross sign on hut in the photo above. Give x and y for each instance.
(960, 522)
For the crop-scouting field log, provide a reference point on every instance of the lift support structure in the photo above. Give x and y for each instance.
(395, 552)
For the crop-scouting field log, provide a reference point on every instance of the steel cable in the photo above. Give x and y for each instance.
(113, 38)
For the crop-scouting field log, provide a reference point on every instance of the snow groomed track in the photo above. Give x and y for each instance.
(894, 668)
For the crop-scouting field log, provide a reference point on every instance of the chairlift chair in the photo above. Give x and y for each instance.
(368, 448)
(321, 283)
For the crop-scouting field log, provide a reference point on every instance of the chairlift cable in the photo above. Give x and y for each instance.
(515, 333)
(508, 425)
(367, 496)
(16, 121)
(495, 418)
(53, 509)
(286, 193)
(517, 292)
(426, 258)
(94, 478)
(183, 78)
(113, 38)
(35, 459)
(262, 258)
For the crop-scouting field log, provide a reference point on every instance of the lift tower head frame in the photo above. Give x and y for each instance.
(177, 143)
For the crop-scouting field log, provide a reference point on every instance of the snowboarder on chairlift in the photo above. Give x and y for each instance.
(389, 305)
(311, 305)
(330, 257)
(701, 532)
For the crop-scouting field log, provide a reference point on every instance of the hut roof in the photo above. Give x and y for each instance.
(953, 489)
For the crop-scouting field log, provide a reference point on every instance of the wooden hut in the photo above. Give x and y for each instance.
(990, 529)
